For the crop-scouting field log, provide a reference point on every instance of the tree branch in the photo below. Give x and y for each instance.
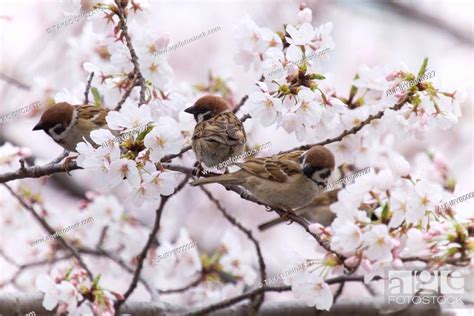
(241, 103)
(38, 171)
(185, 288)
(88, 87)
(125, 96)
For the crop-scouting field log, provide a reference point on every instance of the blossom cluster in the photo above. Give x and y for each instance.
(133, 163)
(72, 292)
(303, 100)
(406, 85)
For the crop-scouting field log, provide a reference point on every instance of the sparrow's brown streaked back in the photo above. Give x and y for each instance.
(219, 134)
(286, 181)
(68, 124)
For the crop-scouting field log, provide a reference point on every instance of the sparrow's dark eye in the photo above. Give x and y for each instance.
(58, 130)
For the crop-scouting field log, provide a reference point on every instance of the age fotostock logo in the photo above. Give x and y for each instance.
(424, 287)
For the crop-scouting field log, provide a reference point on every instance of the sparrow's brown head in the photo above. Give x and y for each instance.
(207, 107)
(57, 120)
(318, 164)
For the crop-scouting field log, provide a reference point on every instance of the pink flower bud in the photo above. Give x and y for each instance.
(305, 16)
(316, 228)
(397, 263)
(366, 265)
(351, 262)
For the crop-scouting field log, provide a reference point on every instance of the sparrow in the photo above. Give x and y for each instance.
(317, 211)
(219, 134)
(69, 124)
(286, 181)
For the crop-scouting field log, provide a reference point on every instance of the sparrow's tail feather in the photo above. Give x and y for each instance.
(229, 178)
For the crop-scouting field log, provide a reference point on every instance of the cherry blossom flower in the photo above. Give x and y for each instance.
(379, 243)
(164, 139)
(301, 36)
(312, 289)
(262, 106)
(123, 169)
(305, 16)
(130, 116)
(347, 236)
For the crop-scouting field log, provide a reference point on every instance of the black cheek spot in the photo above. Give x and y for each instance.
(321, 184)
(326, 174)
(58, 130)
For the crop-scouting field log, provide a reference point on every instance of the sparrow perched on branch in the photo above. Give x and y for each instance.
(317, 211)
(286, 181)
(68, 124)
(219, 134)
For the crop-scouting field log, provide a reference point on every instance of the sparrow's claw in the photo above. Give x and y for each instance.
(286, 216)
(66, 162)
(197, 171)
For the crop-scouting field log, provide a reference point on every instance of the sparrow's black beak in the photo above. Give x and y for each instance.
(308, 170)
(38, 127)
(190, 110)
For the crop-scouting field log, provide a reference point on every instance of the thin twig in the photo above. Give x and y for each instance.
(241, 103)
(184, 288)
(136, 65)
(126, 95)
(88, 87)
(50, 230)
(245, 117)
(181, 152)
(338, 292)
(249, 235)
(63, 155)
(14, 82)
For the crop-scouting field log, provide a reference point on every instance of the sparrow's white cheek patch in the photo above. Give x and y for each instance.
(204, 116)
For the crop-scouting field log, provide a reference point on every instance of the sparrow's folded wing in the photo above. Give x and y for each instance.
(92, 114)
(271, 169)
